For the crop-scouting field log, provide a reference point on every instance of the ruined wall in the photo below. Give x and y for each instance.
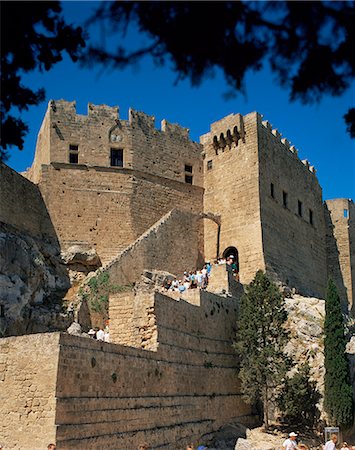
(185, 388)
(231, 170)
(110, 208)
(173, 244)
(340, 214)
(22, 205)
(162, 152)
(294, 248)
(28, 377)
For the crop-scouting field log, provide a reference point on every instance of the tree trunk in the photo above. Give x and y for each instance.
(266, 409)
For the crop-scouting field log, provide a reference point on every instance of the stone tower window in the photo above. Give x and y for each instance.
(311, 217)
(116, 157)
(188, 179)
(299, 208)
(284, 199)
(272, 190)
(2, 310)
(345, 213)
(188, 168)
(209, 164)
(73, 154)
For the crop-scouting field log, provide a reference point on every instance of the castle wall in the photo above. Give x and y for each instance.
(168, 397)
(294, 248)
(42, 154)
(232, 191)
(22, 205)
(173, 244)
(159, 152)
(110, 207)
(28, 377)
(340, 214)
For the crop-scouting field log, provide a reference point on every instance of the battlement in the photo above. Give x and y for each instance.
(226, 132)
(287, 145)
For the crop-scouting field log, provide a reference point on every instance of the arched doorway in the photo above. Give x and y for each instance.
(232, 251)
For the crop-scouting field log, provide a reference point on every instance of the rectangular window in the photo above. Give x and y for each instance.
(2, 310)
(299, 208)
(188, 168)
(272, 190)
(209, 164)
(284, 198)
(345, 213)
(73, 154)
(311, 217)
(188, 179)
(116, 157)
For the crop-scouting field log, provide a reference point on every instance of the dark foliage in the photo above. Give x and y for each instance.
(260, 340)
(337, 388)
(310, 45)
(33, 37)
(298, 399)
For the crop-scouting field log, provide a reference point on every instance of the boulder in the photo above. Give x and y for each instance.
(81, 255)
(74, 329)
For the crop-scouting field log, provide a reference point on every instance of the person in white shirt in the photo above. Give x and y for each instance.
(290, 443)
(100, 335)
(330, 445)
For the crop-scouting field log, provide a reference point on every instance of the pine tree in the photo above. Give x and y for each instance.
(298, 398)
(337, 388)
(260, 340)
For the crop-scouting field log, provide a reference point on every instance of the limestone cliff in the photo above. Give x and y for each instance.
(33, 281)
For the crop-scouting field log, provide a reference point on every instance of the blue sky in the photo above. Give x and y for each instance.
(317, 131)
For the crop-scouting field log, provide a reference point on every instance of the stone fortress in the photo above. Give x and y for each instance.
(143, 201)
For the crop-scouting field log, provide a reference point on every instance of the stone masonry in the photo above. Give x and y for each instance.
(142, 199)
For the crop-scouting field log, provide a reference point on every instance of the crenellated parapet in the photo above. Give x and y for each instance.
(225, 133)
(287, 145)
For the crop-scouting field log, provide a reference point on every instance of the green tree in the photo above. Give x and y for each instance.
(298, 398)
(260, 340)
(337, 388)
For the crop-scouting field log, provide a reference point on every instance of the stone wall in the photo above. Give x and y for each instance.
(22, 205)
(340, 214)
(173, 245)
(231, 182)
(293, 233)
(164, 153)
(181, 389)
(28, 378)
(109, 208)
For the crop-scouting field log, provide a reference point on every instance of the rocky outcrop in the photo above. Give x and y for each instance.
(33, 281)
(81, 258)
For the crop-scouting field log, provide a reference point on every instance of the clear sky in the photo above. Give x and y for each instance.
(317, 131)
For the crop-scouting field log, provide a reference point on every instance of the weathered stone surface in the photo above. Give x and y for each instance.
(82, 256)
(32, 282)
(74, 329)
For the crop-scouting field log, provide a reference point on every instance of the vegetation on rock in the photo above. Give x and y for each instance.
(96, 292)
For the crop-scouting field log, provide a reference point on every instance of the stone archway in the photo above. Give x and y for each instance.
(232, 251)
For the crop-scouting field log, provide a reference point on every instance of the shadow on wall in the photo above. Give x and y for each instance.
(333, 263)
(33, 279)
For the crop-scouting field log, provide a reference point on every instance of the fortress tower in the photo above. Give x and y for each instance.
(270, 203)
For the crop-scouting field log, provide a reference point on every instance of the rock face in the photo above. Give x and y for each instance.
(33, 280)
(81, 258)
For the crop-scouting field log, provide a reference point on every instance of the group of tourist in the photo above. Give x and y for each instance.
(291, 443)
(100, 334)
(191, 280)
